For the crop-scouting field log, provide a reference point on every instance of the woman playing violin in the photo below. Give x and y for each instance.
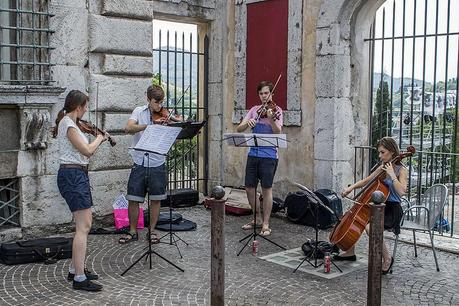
(73, 182)
(396, 179)
(262, 162)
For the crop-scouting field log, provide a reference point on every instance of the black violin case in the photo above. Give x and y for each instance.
(47, 250)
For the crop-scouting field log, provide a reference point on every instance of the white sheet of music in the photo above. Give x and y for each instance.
(256, 140)
(158, 138)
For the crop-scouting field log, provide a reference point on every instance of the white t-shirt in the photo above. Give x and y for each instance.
(68, 154)
(141, 115)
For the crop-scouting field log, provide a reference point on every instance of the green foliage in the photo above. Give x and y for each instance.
(181, 155)
(381, 120)
(156, 80)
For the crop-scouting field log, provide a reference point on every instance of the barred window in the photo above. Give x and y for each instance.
(24, 42)
(9, 197)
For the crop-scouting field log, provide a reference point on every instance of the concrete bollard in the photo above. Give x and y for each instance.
(375, 249)
(217, 264)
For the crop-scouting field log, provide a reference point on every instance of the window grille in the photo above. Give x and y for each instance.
(9, 198)
(24, 42)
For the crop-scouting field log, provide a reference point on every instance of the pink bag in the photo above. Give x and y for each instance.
(122, 218)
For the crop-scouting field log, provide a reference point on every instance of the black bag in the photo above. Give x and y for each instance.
(185, 197)
(322, 248)
(278, 205)
(301, 208)
(47, 250)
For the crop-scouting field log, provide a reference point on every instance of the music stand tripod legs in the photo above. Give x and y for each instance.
(316, 201)
(149, 251)
(255, 234)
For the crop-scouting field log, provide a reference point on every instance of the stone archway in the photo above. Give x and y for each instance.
(342, 94)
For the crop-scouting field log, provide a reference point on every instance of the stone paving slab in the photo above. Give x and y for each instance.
(249, 280)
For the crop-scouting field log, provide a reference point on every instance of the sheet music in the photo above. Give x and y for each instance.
(158, 138)
(256, 140)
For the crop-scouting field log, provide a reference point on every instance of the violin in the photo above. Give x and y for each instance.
(89, 128)
(262, 111)
(351, 226)
(164, 117)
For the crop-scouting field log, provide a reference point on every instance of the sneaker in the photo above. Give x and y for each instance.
(89, 275)
(345, 258)
(86, 285)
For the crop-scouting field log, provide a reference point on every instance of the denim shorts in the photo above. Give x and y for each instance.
(260, 169)
(137, 187)
(74, 187)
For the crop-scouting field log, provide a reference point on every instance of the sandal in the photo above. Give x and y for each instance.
(129, 237)
(265, 231)
(250, 225)
(153, 237)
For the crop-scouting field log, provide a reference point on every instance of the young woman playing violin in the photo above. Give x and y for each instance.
(396, 179)
(73, 181)
(262, 162)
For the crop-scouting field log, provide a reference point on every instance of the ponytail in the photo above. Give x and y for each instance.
(60, 115)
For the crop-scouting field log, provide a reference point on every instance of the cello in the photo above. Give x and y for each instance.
(351, 226)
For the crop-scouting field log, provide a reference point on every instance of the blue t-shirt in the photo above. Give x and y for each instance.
(263, 126)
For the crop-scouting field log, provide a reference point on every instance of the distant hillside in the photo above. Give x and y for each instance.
(396, 81)
(178, 68)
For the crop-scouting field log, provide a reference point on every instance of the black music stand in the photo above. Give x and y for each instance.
(316, 201)
(256, 140)
(142, 146)
(189, 130)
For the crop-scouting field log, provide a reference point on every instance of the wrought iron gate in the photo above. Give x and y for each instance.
(183, 73)
(414, 51)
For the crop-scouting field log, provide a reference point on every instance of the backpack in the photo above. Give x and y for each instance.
(301, 208)
(322, 248)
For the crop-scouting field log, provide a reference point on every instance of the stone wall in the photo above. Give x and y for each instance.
(105, 46)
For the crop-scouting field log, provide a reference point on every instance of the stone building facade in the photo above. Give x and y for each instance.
(108, 43)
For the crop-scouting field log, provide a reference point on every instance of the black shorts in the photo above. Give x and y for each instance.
(393, 213)
(137, 188)
(260, 169)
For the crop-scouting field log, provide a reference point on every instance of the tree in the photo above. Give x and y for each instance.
(380, 121)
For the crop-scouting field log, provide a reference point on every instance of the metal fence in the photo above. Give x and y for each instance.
(24, 42)
(183, 71)
(9, 197)
(414, 51)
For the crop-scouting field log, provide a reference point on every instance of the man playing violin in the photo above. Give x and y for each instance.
(262, 162)
(396, 179)
(140, 118)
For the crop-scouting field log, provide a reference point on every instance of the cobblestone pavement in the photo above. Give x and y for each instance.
(249, 280)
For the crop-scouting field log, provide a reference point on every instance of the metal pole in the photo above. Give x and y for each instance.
(375, 249)
(217, 265)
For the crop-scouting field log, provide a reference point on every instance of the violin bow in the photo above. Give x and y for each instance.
(269, 96)
(170, 113)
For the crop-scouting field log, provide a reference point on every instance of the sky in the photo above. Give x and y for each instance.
(174, 27)
(438, 54)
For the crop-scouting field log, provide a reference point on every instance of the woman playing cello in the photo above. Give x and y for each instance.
(396, 179)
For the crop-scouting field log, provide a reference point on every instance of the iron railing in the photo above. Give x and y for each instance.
(184, 73)
(24, 42)
(415, 46)
(9, 198)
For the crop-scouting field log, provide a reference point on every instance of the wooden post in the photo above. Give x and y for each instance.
(375, 249)
(217, 264)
